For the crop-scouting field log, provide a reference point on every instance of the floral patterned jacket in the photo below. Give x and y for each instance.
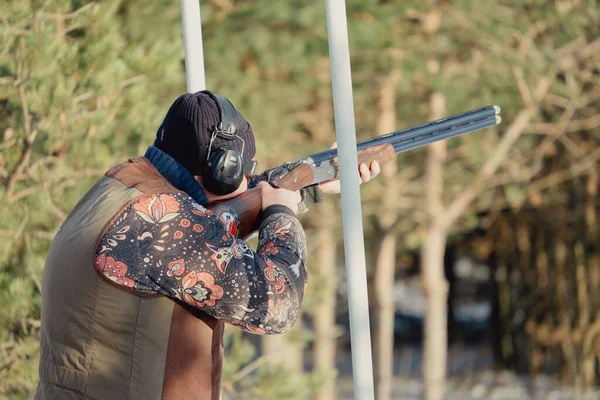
(168, 244)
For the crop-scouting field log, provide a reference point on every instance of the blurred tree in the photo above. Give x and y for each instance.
(471, 61)
(432, 264)
(385, 252)
(547, 262)
(76, 97)
(546, 71)
(323, 312)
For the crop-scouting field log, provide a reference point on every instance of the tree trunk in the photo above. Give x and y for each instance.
(432, 266)
(386, 252)
(324, 312)
(384, 324)
(436, 290)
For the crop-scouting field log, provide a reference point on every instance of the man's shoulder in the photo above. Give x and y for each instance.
(138, 172)
(133, 166)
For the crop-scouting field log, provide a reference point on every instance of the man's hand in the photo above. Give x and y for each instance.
(272, 196)
(366, 173)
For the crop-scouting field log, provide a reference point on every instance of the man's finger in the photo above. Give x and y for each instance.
(375, 169)
(365, 174)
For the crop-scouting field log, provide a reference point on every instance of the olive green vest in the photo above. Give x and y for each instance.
(100, 341)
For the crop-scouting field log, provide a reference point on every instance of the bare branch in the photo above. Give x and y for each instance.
(571, 59)
(62, 183)
(557, 129)
(557, 100)
(528, 40)
(37, 233)
(571, 47)
(571, 146)
(30, 135)
(522, 85)
(22, 225)
(524, 175)
(589, 97)
(132, 81)
(224, 7)
(586, 165)
(58, 213)
(552, 128)
(8, 144)
(71, 15)
(513, 132)
(584, 124)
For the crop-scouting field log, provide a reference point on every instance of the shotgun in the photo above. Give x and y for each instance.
(323, 166)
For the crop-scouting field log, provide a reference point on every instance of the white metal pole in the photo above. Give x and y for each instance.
(191, 24)
(192, 42)
(354, 248)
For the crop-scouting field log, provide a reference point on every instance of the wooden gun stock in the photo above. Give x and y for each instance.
(382, 153)
(248, 205)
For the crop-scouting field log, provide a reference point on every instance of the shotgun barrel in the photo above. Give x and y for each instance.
(424, 134)
(402, 144)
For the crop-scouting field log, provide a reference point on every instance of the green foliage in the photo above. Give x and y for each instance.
(241, 352)
(76, 98)
(278, 382)
(251, 377)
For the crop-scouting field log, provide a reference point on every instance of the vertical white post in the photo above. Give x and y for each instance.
(354, 248)
(192, 42)
(191, 24)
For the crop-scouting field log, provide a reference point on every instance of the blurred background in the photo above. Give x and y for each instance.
(482, 251)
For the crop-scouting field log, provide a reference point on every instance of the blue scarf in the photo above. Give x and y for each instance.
(176, 174)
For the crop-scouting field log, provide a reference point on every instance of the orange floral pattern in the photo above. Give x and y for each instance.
(157, 209)
(114, 270)
(176, 268)
(199, 289)
(274, 276)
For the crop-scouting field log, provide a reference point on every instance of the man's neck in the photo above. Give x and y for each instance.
(176, 174)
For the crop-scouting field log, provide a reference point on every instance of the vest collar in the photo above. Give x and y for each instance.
(176, 174)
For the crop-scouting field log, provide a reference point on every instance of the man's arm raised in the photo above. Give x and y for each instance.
(168, 244)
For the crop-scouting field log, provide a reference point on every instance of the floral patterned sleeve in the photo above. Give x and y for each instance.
(168, 244)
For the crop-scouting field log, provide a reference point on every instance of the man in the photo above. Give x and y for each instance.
(141, 277)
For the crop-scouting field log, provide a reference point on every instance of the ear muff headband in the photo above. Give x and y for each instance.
(225, 166)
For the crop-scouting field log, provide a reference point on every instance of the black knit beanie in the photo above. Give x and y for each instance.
(186, 130)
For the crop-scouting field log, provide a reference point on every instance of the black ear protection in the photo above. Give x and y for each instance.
(225, 167)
